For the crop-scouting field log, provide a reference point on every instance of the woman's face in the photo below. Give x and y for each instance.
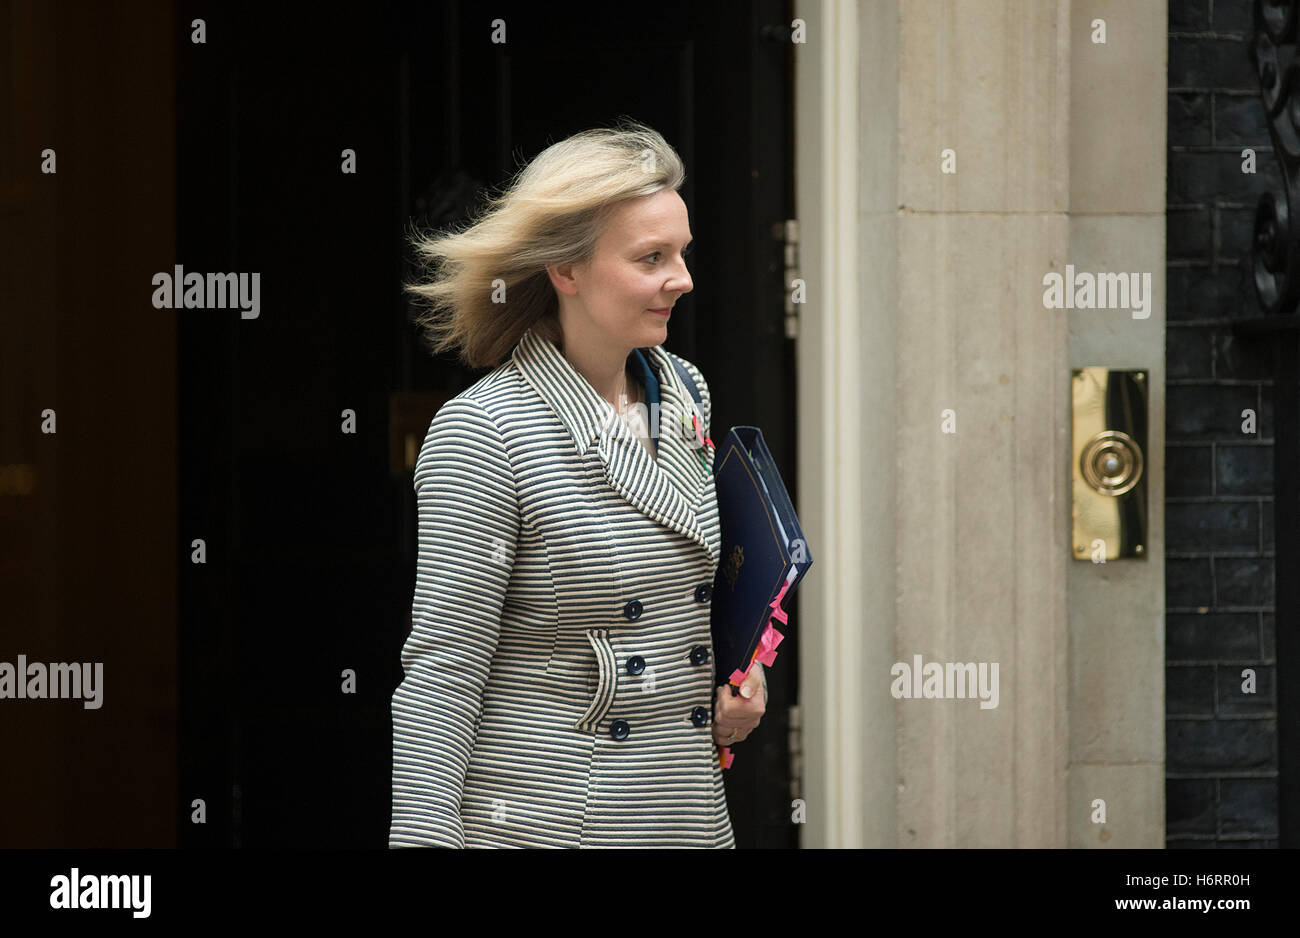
(638, 268)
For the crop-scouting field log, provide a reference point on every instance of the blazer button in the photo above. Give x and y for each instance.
(633, 609)
(703, 593)
(699, 654)
(619, 729)
(700, 716)
(635, 664)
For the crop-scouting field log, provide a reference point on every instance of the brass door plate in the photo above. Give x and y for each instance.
(409, 416)
(1109, 464)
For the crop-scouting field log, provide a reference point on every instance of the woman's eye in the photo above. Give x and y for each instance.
(685, 254)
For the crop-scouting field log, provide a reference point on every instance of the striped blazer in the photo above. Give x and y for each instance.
(558, 677)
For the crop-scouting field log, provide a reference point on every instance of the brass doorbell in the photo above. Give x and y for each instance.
(1109, 464)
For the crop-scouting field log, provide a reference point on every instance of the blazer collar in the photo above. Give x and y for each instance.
(663, 488)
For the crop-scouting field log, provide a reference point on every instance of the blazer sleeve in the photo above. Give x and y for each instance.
(468, 533)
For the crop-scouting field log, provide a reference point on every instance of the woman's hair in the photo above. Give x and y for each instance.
(488, 281)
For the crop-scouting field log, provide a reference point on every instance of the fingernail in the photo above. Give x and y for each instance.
(747, 692)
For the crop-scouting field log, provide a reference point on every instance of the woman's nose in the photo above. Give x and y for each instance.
(681, 282)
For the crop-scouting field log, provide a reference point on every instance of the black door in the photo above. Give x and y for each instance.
(296, 426)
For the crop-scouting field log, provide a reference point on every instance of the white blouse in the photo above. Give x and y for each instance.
(636, 418)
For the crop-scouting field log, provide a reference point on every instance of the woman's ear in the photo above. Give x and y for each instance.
(564, 277)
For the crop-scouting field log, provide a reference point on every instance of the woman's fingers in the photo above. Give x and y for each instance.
(736, 713)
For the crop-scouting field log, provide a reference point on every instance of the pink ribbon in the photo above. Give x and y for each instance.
(765, 652)
(767, 642)
(775, 605)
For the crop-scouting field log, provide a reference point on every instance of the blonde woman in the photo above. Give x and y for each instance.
(559, 675)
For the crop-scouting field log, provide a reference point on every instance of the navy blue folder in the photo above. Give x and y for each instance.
(764, 553)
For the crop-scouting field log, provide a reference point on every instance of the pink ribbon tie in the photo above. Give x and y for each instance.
(765, 653)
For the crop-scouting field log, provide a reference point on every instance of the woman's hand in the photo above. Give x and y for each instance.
(740, 713)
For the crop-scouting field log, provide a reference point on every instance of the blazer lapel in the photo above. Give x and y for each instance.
(663, 489)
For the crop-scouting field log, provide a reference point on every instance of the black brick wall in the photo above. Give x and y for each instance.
(1221, 781)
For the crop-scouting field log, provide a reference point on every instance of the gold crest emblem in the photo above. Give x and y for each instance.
(731, 569)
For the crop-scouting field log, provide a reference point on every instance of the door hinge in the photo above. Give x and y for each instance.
(787, 232)
(796, 752)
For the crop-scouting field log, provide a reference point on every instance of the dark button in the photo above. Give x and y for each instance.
(703, 593)
(700, 716)
(635, 664)
(699, 654)
(619, 729)
(633, 609)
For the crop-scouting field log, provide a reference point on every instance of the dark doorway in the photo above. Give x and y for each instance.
(310, 530)
(88, 551)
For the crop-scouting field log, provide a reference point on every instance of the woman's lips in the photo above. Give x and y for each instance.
(665, 312)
